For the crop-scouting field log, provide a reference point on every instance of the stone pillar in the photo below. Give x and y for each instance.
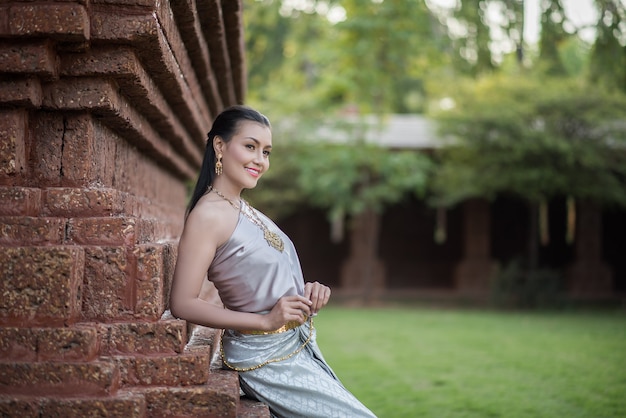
(589, 276)
(363, 273)
(104, 109)
(475, 270)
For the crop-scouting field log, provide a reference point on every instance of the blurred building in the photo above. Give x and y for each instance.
(462, 251)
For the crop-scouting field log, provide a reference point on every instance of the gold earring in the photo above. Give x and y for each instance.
(218, 165)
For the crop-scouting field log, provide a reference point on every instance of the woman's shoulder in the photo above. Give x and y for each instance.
(212, 216)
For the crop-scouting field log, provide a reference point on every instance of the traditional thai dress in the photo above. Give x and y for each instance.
(284, 369)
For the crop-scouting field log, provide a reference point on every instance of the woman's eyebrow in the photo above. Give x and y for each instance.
(257, 141)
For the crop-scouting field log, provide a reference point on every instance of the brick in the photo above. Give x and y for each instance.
(48, 344)
(61, 379)
(249, 408)
(18, 344)
(161, 337)
(149, 284)
(78, 154)
(111, 25)
(48, 130)
(122, 64)
(102, 231)
(21, 230)
(64, 22)
(64, 152)
(72, 201)
(13, 128)
(165, 369)
(123, 404)
(23, 201)
(24, 92)
(218, 398)
(41, 285)
(67, 343)
(108, 292)
(34, 58)
(101, 96)
(19, 407)
(170, 254)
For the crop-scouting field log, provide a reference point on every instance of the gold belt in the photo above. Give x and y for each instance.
(289, 325)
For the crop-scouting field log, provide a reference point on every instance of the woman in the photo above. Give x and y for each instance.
(268, 309)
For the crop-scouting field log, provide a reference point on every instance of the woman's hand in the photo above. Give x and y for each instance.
(318, 294)
(287, 309)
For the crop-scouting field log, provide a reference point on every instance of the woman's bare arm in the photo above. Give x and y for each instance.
(207, 226)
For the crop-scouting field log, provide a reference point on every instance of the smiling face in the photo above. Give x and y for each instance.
(245, 157)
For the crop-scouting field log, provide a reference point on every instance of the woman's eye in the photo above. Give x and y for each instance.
(250, 146)
(267, 153)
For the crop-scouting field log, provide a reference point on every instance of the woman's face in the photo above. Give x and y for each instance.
(247, 155)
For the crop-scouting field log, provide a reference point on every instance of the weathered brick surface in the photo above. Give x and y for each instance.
(108, 292)
(48, 131)
(19, 407)
(252, 409)
(13, 131)
(37, 57)
(165, 369)
(135, 83)
(40, 285)
(143, 338)
(79, 202)
(149, 284)
(102, 97)
(16, 201)
(62, 379)
(78, 343)
(122, 405)
(104, 109)
(154, 50)
(18, 230)
(121, 230)
(24, 92)
(61, 21)
(218, 398)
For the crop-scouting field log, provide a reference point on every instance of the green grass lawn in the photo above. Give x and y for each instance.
(412, 362)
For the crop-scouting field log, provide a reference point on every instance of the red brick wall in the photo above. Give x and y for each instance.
(104, 109)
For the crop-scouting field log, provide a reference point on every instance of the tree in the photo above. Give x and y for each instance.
(534, 138)
(608, 56)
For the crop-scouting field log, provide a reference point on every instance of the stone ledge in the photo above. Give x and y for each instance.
(32, 57)
(143, 338)
(20, 201)
(249, 408)
(122, 404)
(154, 51)
(101, 97)
(219, 397)
(190, 27)
(122, 64)
(185, 369)
(23, 92)
(60, 21)
(61, 379)
(76, 343)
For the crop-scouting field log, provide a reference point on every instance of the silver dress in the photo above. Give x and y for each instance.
(284, 370)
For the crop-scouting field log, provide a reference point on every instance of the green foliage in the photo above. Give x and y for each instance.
(534, 138)
(608, 63)
(342, 178)
(518, 287)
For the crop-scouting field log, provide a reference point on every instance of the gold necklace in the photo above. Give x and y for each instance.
(273, 239)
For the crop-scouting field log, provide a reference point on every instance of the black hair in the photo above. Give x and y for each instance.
(225, 126)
